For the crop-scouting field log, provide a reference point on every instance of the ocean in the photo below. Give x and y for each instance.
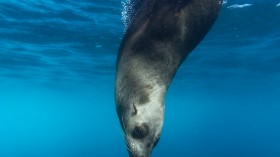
(57, 73)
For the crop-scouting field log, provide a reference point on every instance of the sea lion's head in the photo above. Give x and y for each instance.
(142, 128)
(141, 114)
(139, 94)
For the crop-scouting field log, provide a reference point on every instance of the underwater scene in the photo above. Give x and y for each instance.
(58, 71)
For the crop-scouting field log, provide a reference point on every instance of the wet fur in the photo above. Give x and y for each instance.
(159, 38)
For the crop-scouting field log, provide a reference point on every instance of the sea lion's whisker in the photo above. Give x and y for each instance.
(127, 141)
(124, 129)
(129, 149)
(120, 131)
(128, 146)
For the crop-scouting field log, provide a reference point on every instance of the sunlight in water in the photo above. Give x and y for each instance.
(126, 8)
(130, 9)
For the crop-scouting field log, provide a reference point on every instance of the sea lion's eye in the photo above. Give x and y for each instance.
(141, 131)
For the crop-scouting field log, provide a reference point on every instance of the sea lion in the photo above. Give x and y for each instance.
(161, 34)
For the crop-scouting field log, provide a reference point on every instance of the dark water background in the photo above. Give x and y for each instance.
(57, 71)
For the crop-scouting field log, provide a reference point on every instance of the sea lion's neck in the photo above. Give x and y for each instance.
(138, 83)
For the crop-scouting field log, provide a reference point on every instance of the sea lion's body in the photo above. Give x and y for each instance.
(158, 39)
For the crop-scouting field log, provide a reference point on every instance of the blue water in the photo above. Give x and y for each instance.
(57, 71)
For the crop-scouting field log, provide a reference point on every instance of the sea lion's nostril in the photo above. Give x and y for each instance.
(141, 131)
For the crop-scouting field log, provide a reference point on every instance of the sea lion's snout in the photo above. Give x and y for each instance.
(142, 130)
(139, 147)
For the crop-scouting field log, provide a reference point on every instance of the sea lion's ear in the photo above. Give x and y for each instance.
(135, 110)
